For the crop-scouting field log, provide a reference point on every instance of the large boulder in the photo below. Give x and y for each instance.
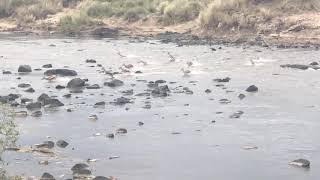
(24, 69)
(76, 83)
(33, 106)
(61, 72)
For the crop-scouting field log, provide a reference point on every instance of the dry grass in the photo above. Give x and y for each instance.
(75, 23)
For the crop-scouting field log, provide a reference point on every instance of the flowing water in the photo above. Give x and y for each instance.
(177, 141)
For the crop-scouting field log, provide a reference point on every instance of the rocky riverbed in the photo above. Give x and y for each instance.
(136, 109)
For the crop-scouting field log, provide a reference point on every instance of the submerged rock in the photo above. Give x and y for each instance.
(91, 61)
(60, 87)
(121, 101)
(24, 69)
(295, 66)
(300, 163)
(122, 131)
(36, 114)
(30, 90)
(46, 144)
(161, 91)
(47, 66)
(252, 88)
(241, 96)
(221, 80)
(61, 72)
(24, 85)
(236, 115)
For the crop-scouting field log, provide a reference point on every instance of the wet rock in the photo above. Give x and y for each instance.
(94, 86)
(47, 176)
(295, 66)
(300, 163)
(121, 101)
(67, 96)
(207, 91)
(33, 106)
(252, 88)
(122, 131)
(52, 103)
(140, 123)
(76, 83)
(45, 144)
(127, 92)
(91, 61)
(30, 90)
(102, 103)
(114, 83)
(147, 106)
(62, 143)
(76, 91)
(241, 96)
(14, 104)
(138, 72)
(111, 136)
(61, 72)
(6, 72)
(101, 178)
(221, 80)
(80, 168)
(38, 69)
(47, 66)
(43, 97)
(25, 100)
(36, 114)
(60, 87)
(24, 69)
(24, 85)
(160, 81)
(161, 91)
(314, 64)
(236, 115)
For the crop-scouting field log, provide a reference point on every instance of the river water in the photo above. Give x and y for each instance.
(281, 119)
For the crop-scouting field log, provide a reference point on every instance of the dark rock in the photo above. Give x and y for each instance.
(252, 88)
(114, 83)
(143, 94)
(94, 86)
(236, 115)
(295, 66)
(314, 64)
(224, 101)
(91, 61)
(14, 104)
(241, 96)
(221, 80)
(47, 66)
(161, 91)
(36, 114)
(138, 72)
(13, 97)
(127, 92)
(24, 85)
(78, 167)
(24, 69)
(60, 87)
(43, 97)
(301, 163)
(122, 131)
(140, 123)
(111, 136)
(160, 81)
(208, 91)
(6, 72)
(102, 103)
(67, 96)
(25, 100)
(62, 143)
(47, 176)
(38, 69)
(52, 103)
(33, 106)
(76, 83)
(30, 90)
(121, 101)
(61, 72)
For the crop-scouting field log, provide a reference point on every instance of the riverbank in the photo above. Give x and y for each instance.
(281, 24)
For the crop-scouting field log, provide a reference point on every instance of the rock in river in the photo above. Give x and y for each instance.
(24, 69)
(81, 169)
(252, 88)
(76, 83)
(62, 143)
(36, 114)
(61, 72)
(114, 83)
(295, 66)
(45, 144)
(33, 106)
(47, 176)
(220, 80)
(300, 163)
(30, 90)
(121, 101)
(47, 66)
(101, 178)
(122, 131)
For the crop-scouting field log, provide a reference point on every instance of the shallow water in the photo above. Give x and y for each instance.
(282, 119)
